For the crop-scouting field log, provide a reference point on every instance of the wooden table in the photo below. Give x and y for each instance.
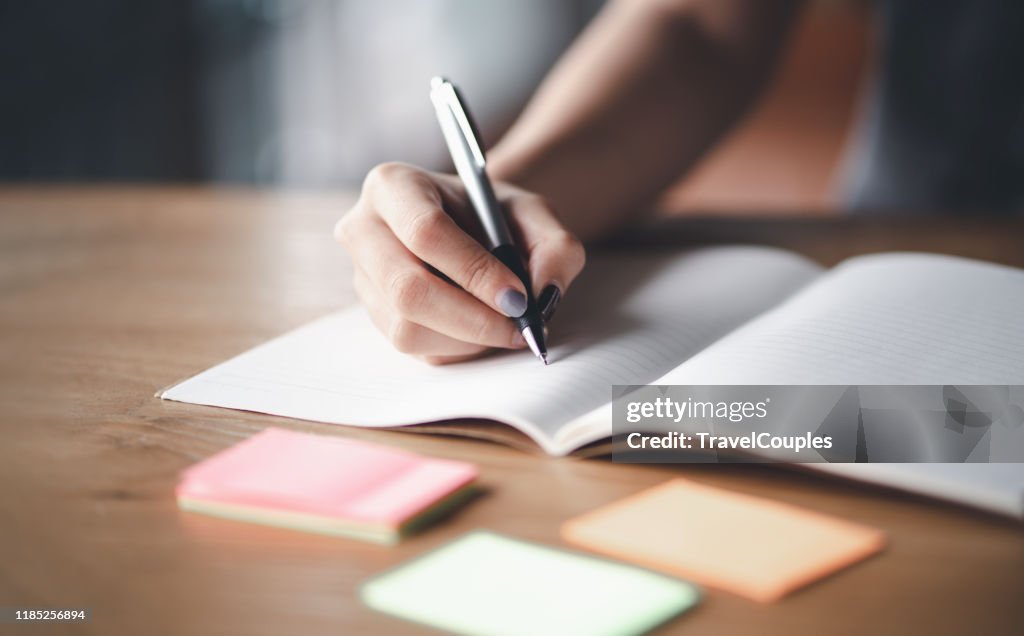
(108, 294)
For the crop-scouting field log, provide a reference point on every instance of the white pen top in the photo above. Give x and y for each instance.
(468, 157)
(446, 101)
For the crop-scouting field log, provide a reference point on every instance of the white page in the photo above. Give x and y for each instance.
(891, 319)
(628, 320)
(884, 319)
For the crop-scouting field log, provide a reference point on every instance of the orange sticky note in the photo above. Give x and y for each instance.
(747, 545)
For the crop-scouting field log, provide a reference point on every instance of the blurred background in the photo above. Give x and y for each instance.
(312, 93)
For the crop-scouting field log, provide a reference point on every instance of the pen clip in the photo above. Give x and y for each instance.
(445, 95)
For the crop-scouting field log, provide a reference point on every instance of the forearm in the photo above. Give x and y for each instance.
(637, 100)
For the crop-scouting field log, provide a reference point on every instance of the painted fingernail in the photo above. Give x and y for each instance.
(511, 302)
(548, 300)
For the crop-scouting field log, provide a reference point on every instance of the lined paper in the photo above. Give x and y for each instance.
(886, 319)
(883, 319)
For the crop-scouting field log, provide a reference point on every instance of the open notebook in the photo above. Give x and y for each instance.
(721, 315)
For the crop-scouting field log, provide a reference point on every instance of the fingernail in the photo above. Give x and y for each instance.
(518, 341)
(511, 302)
(548, 300)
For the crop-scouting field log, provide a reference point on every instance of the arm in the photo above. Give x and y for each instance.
(644, 92)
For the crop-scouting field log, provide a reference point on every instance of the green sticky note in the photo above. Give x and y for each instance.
(485, 583)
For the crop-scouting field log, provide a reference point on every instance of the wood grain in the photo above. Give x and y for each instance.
(108, 294)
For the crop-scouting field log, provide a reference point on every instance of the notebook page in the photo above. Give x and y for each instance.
(890, 319)
(629, 319)
(884, 319)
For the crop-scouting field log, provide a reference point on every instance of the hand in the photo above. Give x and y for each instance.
(407, 221)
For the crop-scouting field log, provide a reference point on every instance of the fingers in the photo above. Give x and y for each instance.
(556, 257)
(409, 337)
(404, 289)
(410, 204)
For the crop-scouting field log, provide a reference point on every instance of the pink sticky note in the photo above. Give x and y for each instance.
(306, 479)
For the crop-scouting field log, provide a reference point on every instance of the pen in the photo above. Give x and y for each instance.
(467, 154)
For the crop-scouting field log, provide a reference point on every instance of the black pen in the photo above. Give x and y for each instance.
(463, 143)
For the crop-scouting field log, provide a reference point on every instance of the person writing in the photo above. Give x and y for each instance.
(643, 94)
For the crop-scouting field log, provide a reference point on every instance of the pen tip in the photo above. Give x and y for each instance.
(544, 358)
